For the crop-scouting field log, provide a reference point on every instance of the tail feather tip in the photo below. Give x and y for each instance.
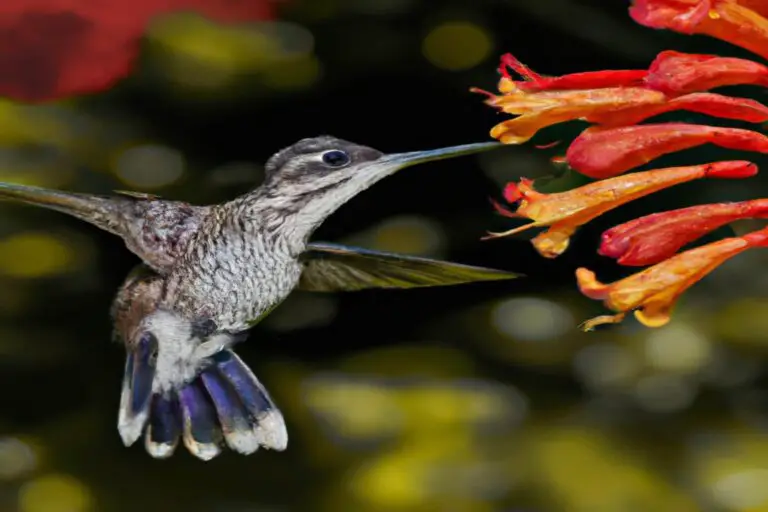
(225, 405)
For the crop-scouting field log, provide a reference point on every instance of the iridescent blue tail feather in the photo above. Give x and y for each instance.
(225, 405)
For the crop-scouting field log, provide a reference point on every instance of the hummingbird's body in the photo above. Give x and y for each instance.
(212, 272)
(218, 402)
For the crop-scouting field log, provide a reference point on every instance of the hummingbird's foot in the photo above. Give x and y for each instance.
(214, 345)
(203, 328)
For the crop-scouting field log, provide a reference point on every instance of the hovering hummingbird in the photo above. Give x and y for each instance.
(211, 273)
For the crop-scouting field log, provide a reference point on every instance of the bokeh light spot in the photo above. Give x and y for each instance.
(677, 347)
(605, 365)
(17, 458)
(664, 393)
(457, 45)
(149, 166)
(531, 319)
(743, 490)
(409, 235)
(54, 493)
(202, 54)
(353, 409)
(35, 255)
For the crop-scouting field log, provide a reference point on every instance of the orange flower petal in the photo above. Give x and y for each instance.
(602, 153)
(676, 73)
(564, 212)
(654, 238)
(724, 19)
(538, 110)
(653, 292)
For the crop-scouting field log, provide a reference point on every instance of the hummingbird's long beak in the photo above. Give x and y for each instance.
(397, 161)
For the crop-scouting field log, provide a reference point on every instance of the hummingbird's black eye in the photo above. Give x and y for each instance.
(335, 158)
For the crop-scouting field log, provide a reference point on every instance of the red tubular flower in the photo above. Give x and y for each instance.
(653, 238)
(675, 73)
(602, 153)
(621, 98)
(716, 105)
(652, 293)
(534, 82)
(734, 21)
(57, 48)
(615, 102)
(759, 6)
(564, 212)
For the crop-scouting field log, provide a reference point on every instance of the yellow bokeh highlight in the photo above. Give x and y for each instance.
(410, 476)
(55, 493)
(434, 407)
(618, 476)
(34, 255)
(23, 124)
(292, 73)
(357, 410)
(221, 46)
(457, 45)
(206, 55)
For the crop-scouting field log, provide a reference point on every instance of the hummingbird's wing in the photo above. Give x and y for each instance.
(137, 195)
(155, 230)
(334, 268)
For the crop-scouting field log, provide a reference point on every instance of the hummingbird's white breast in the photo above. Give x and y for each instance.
(232, 276)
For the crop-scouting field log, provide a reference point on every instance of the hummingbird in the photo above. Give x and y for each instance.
(211, 273)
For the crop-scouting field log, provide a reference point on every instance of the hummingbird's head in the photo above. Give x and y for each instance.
(314, 177)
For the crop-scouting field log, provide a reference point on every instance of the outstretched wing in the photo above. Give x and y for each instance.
(334, 268)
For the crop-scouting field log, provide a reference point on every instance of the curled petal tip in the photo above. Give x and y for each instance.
(589, 285)
(757, 238)
(503, 211)
(490, 97)
(731, 169)
(654, 315)
(509, 61)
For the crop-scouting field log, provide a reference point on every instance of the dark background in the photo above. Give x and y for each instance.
(473, 398)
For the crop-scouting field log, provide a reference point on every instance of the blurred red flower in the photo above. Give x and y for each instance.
(53, 49)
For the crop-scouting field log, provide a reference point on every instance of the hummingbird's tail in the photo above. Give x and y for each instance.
(225, 405)
(100, 211)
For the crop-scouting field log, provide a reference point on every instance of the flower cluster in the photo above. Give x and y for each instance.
(616, 104)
